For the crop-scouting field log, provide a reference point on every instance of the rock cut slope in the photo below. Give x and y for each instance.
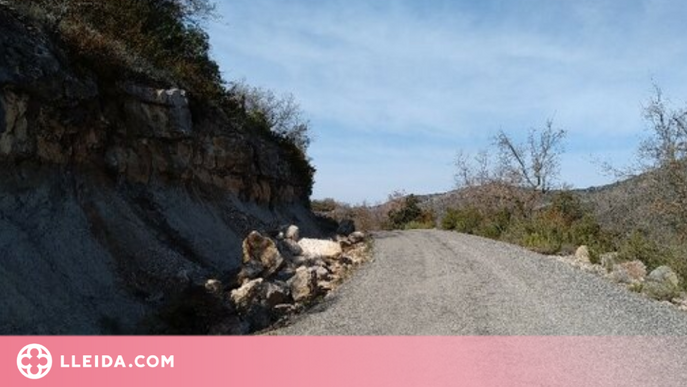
(117, 192)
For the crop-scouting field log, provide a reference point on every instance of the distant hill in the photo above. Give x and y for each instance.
(624, 205)
(621, 206)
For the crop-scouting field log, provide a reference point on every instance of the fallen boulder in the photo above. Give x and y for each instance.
(582, 254)
(662, 284)
(245, 296)
(321, 273)
(292, 233)
(290, 248)
(250, 270)
(303, 284)
(318, 248)
(263, 250)
(276, 293)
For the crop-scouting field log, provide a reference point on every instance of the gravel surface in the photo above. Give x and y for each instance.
(429, 282)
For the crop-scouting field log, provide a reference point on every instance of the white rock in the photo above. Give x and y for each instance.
(319, 248)
(582, 254)
(213, 286)
(292, 233)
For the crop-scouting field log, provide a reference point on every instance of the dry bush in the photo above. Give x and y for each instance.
(281, 115)
(162, 39)
(366, 217)
(664, 156)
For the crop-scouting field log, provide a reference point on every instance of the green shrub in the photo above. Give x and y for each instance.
(494, 224)
(561, 226)
(540, 233)
(467, 220)
(544, 243)
(638, 246)
(448, 222)
(409, 213)
(585, 231)
(594, 255)
(676, 260)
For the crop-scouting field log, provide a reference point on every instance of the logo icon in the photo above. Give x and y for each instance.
(34, 361)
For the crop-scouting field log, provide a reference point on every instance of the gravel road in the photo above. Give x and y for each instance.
(429, 282)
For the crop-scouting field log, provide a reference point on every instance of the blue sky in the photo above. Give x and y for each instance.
(394, 89)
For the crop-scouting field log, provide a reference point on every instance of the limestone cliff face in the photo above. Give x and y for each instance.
(116, 192)
(53, 113)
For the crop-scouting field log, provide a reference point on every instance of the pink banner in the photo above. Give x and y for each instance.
(343, 361)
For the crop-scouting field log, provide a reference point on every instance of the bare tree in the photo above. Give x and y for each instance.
(282, 114)
(474, 171)
(512, 175)
(663, 158)
(534, 164)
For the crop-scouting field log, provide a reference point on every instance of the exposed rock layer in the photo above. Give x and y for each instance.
(118, 196)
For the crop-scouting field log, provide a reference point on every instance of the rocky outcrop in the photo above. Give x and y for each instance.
(52, 112)
(292, 233)
(247, 294)
(121, 196)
